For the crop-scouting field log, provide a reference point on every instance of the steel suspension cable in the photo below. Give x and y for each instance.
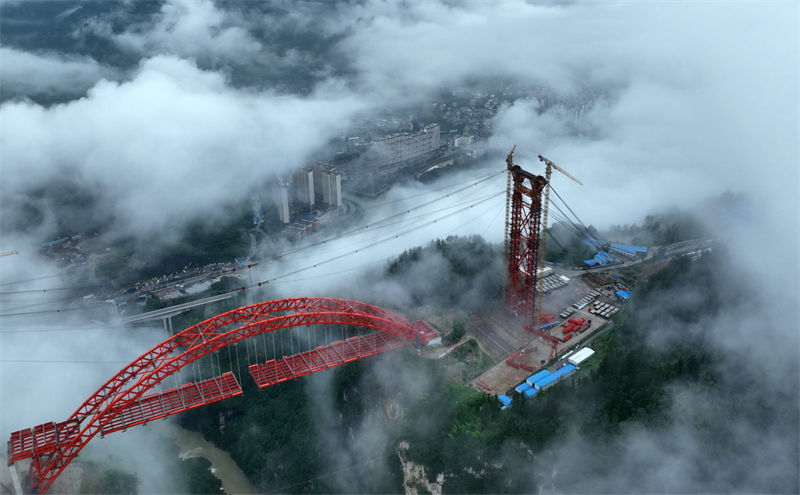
(571, 211)
(315, 265)
(372, 244)
(378, 224)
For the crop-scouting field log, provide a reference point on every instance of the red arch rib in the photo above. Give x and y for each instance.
(189, 345)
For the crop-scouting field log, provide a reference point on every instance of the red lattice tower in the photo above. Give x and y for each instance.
(523, 226)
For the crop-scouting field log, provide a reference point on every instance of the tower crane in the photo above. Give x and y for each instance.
(543, 246)
(8, 253)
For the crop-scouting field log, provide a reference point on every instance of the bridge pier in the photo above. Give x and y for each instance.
(167, 320)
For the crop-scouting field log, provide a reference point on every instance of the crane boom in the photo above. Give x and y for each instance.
(551, 164)
(8, 253)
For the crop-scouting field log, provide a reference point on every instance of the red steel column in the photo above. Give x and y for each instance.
(524, 234)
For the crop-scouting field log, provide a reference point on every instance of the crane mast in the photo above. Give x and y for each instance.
(537, 314)
(543, 248)
(506, 241)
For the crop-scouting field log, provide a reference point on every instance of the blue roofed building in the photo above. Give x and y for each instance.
(522, 387)
(593, 243)
(602, 258)
(555, 377)
(526, 390)
(536, 377)
(628, 250)
(606, 257)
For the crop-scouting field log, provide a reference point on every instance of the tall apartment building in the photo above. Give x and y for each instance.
(319, 168)
(404, 146)
(328, 183)
(304, 186)
(282, 201)
(331, 188)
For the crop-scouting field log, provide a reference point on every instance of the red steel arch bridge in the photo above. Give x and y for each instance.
(128, 398)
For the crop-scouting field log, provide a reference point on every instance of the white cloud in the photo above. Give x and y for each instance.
(190, 28)
(171, 144)
(27, 73)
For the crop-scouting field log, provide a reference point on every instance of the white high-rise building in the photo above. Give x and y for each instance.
(328, 183)
(319, 170)
(332, 188)
(304, 186)
(282, 201)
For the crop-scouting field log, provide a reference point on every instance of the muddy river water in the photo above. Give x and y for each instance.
(192, 444)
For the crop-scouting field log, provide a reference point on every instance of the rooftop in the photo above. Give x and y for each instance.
(629, 248)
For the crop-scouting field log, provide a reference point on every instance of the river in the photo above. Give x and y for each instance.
(192, 444)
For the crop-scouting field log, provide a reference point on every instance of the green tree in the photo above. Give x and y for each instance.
(459, 330)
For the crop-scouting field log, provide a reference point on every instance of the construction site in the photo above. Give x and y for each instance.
(552, 312)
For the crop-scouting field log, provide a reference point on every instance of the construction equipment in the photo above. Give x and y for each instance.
(515, 362)
(546, 336)
(8, 253)
(543, 239)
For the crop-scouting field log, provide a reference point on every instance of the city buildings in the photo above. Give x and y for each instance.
(321, 180)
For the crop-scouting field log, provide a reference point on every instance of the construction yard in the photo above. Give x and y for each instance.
(575, 311)
(549, 309)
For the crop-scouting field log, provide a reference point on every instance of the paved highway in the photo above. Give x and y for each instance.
(174, 310)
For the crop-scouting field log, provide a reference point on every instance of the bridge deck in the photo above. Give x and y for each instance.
(39, 439)
(328, 356)
(175, 400)
(47, 437)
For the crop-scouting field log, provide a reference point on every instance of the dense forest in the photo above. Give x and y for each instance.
(455, 272)
(341, 430)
